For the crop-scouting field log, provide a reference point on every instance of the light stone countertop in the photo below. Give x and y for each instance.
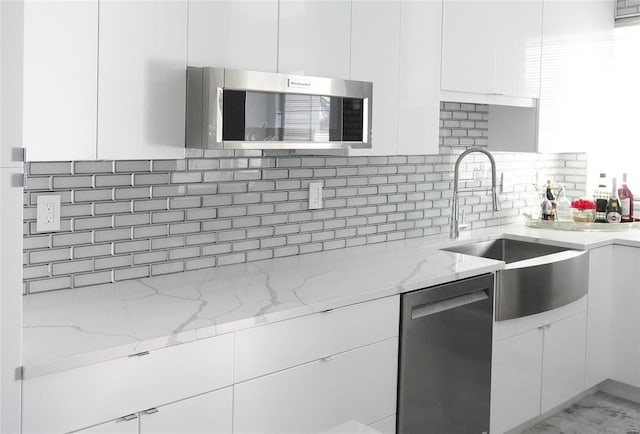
(71, 328)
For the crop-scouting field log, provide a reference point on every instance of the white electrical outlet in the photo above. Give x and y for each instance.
(315, 195)
(48, 215)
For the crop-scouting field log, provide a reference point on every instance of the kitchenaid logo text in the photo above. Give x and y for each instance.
(299, 83)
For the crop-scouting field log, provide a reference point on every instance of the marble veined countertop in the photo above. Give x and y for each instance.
(72, 328)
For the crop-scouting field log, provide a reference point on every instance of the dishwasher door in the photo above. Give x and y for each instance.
(444, 384)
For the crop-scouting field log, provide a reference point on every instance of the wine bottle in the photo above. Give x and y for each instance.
(601, 198)
(626, 201)
(552, 200)
(613, 206)
(549, 193)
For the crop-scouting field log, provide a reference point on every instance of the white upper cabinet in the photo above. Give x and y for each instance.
(375, 38)
(142, 79)
(419, 81)
(314, 37)
(11, 68)
(60, 79)
(575, 96)
(492, 47)
(234, 34)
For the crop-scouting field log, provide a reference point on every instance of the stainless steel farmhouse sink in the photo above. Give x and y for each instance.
(538, 277)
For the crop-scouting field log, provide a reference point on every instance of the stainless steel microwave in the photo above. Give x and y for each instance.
(233, 109)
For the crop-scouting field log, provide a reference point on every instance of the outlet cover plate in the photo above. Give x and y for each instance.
(315, 195)
(48, 213)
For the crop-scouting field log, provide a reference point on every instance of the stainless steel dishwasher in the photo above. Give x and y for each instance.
(444, 382)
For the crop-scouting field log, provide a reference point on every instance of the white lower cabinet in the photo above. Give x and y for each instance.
(540, 368)
(306, 374)
(208, 413)
(355, 385)
(81, 397)
(625, 316)
(599, 315)
(385, 426)
(563, 361)
(516, 378)
(128, 425)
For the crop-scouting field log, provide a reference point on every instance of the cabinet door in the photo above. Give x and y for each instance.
(119, 426)
(11, 82)
(492, 47)
(576, 76)
(358, 385)
(11, 299)
(273, 347)
(515, 383)
(563, 361)
(419, 81)
(142, 79)
(601, 284)
(625, 316)
(60, 79)
(208, 413)
(83, 396)
(375, 38)
(314, 37)
(385, 426)
(234, 34)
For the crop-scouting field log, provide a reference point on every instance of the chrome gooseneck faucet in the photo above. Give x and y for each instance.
(455, 207)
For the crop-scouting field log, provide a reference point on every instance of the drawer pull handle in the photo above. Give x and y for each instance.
(144, 353)
(327, 359)
(151, 411)
(127, 418)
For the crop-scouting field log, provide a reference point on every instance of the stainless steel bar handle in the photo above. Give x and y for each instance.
(448, 304)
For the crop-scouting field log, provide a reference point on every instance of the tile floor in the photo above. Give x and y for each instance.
(599, 413)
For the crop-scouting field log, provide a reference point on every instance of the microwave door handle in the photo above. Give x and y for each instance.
(218, 114)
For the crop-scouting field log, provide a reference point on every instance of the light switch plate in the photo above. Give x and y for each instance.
(315, 195)
(48, 213)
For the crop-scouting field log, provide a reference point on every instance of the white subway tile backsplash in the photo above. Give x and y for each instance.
(134, 219)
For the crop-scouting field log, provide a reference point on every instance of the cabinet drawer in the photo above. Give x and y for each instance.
(209, 413)
(281, 345)
(81, 397)
(359, 385)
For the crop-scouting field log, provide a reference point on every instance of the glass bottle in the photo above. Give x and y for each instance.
(564, 206)
(552, 200)
(601, 199)
(613, 206)
(626, 201)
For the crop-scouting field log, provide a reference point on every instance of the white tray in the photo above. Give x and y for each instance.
(583, 227)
